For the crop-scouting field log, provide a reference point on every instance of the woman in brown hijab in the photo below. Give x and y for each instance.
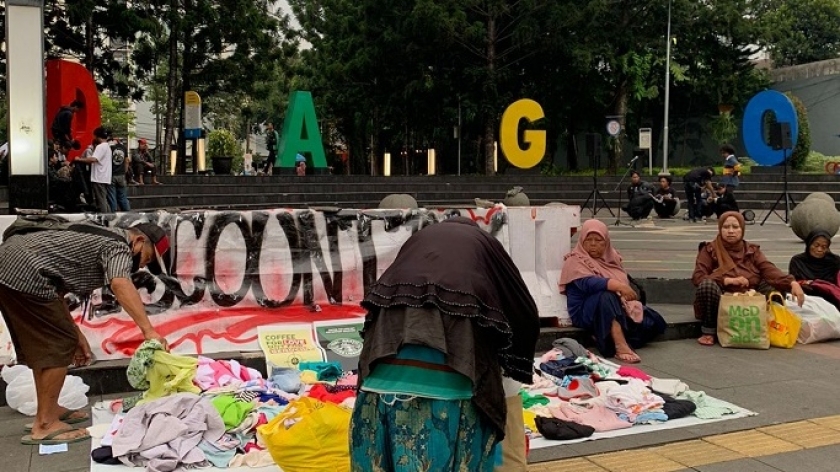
(730, 264)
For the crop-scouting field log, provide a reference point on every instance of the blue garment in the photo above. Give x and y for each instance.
(118, 196)
(647, 417)
(265, 397)
(285, 379)
(592, 307)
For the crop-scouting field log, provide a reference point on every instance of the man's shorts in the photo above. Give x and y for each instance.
(42, 331)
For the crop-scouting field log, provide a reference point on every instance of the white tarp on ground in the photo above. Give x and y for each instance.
(540, 443)
(234, 271)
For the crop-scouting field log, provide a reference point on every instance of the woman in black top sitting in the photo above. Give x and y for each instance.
(666, 203)
(817, 268)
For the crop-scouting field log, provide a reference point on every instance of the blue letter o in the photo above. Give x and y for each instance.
(757, 149)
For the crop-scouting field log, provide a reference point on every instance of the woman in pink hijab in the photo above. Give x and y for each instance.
(601, 300)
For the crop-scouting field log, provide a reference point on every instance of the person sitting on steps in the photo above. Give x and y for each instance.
(730, 264)
(639, 197)
(600, 299)
(666, 202)
(722, 201)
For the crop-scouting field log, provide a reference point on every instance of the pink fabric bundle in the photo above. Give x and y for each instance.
(212, 374)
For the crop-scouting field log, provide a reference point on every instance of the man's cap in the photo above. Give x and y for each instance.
(142, 141)
(160, 241)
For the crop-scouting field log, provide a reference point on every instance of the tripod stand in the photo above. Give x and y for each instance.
(785, 194)
(593, 150)
(618, 221)
(596, 195)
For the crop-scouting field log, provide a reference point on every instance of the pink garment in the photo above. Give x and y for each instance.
(211, 374)
(348, 380)
(635, 372)
(552, 355)
(579, 264)
(596, 416)
(632, 399)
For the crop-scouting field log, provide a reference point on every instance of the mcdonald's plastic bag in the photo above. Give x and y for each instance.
(743, 321)
(309, 436)
(784, 324)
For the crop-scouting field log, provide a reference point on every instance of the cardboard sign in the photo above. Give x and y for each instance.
(289, 344)
(341, 340)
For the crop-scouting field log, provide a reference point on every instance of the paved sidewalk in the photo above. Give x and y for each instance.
(781, 385)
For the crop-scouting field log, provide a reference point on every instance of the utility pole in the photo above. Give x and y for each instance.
(667, 96)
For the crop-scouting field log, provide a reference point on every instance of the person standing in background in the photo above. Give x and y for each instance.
(101, 169)
(731, 168)
(62, 124)
(117, 193)
(271, 140)
(694, 182)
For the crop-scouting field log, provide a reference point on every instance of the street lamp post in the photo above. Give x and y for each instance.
(667, 95)
(28, 187)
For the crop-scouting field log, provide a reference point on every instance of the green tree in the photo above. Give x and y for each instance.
(803, 137)
(116, 115)
(209, 46)
(800, 31)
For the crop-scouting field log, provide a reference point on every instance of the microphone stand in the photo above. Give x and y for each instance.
(618, 189)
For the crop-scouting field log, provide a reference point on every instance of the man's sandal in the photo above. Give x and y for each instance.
(52, 438)
(65, 417)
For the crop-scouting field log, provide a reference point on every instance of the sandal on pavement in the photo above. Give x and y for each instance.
(706, 340)
(65, 417)
(52, 438)
(628, 357)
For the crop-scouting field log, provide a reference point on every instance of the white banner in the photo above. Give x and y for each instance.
(235, 271)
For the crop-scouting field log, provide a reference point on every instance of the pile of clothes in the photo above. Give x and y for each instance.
(200, 412)
(576, 394)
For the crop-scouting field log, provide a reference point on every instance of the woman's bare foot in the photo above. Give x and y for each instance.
(706, 340)
(627, 355)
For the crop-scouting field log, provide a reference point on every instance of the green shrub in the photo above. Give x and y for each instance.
(222, 143)
(803, 139)
(815, 162)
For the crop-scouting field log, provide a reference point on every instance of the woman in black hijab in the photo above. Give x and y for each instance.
(816, 269)
(446, 322)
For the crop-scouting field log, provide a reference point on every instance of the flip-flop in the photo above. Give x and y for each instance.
(628, 358)
(51, 438)
(65, 417)
(710, 342)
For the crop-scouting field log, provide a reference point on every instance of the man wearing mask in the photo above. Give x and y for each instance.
(37, 269)
(101, 169)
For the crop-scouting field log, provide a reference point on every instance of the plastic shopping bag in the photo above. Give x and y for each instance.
(743, 321)
(309, 436)
(7, 349)
(20, 391)
(820, 320)
(784, 324)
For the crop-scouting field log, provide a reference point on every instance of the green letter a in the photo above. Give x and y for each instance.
(300, 133)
